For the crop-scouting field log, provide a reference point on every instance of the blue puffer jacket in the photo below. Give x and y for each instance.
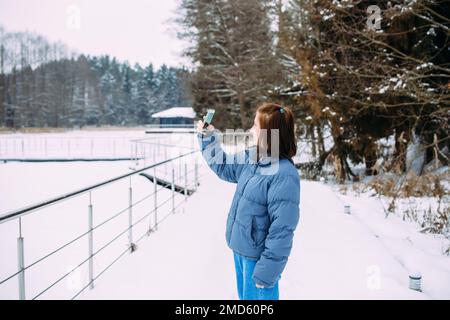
(265, 208)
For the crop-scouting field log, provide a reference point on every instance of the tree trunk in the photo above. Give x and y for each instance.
(321, 144)
(312, 136)
(399, 157)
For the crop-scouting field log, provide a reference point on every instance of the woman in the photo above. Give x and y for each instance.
(265, 208)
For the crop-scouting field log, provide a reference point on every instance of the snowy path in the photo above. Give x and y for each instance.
(334, 255)
(187, 258)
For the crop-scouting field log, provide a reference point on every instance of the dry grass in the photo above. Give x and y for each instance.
(407, 194)
(411, 185)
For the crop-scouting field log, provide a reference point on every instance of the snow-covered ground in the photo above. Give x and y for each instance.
(414, 250)
(334, 256)
(24, 184)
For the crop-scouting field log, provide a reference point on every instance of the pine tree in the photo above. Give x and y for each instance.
(232, 49)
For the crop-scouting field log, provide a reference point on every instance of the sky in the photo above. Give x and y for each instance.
(138, 31)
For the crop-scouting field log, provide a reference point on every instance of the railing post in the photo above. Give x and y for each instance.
(165, 158)
(145, 154)
(173, 188)
(130, 217)
(185, 181)
(21, 262)
(156, 198)
(179, 165)
(196, 173)
(136, 153)
(91, 243)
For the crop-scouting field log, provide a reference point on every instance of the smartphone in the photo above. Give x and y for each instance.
(208, 118)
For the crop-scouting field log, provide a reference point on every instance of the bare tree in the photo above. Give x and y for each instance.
(364, 84)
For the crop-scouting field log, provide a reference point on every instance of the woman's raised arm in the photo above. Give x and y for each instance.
(227, 167)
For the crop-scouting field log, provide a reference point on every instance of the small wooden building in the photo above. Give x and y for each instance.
(175, 116)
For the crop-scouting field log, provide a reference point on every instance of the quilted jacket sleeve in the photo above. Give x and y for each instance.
(227, 167)
(283, 206)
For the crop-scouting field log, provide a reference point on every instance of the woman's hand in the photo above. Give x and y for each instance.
(200, 124)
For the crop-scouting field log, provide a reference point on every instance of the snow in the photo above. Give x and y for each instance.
(431, 32)
(175, 113)
(343, 3)
(413, 250)
(41, 181)
(334, 256)
(383, 89)
(88, 144)
(424, 65)
(361, 255)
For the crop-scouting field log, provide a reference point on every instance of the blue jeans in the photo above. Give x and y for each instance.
(246, 286)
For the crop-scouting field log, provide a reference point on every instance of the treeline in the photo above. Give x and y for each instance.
(42, 86)
(21, 49)
(358, 73)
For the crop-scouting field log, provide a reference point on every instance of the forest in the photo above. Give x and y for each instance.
(356, 72)
(43, 84)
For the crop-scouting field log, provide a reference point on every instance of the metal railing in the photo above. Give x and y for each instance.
(55, 149)
(132, 241)
(150, 148)
(61, 147)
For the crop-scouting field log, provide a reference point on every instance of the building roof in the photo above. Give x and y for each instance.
(178, 112)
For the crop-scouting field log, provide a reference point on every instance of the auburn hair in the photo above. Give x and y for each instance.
(270, 117)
